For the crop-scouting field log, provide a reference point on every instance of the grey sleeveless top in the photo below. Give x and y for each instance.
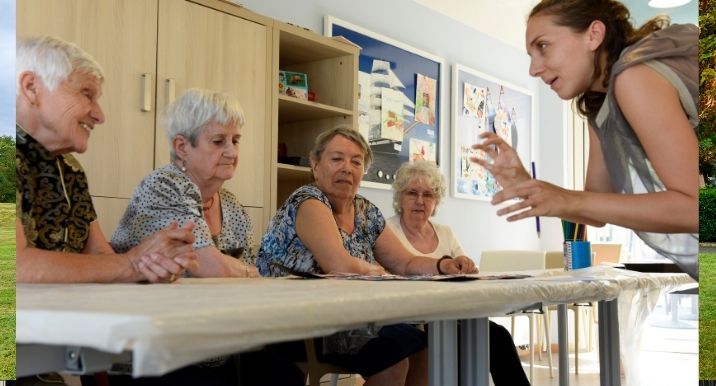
(672, 52)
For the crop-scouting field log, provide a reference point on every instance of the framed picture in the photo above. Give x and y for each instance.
(399, 100)
(483, 103)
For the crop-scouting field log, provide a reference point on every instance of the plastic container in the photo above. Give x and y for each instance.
(577, 254)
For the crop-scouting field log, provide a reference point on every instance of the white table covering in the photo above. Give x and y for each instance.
(172, 325)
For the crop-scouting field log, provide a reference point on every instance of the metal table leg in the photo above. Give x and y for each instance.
(563, 343)
(442, 353)
(475, 352)
(609, 343)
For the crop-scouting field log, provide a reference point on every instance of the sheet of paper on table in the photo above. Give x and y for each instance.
(390, 277)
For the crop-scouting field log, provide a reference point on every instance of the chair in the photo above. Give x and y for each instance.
(316, 369)
(518, 260)
(506, 260)
(554, 259)
(606, 253)
(672, 302)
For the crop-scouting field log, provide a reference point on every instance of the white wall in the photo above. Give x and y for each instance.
(475, 222)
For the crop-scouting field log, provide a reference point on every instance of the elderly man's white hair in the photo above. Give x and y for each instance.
(53, 60)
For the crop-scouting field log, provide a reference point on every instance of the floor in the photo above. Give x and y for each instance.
(668, 357)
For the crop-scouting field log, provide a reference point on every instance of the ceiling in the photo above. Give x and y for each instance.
(505, 19)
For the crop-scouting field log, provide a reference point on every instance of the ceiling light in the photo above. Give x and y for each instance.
(667, 3)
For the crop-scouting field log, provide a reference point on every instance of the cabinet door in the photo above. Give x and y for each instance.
(121, 36)
(205, 48)
(257, 221)
(109, 213)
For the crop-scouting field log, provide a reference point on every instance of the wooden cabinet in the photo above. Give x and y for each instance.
(120, 150)
(219, 46)
(151, 51)
(332, 69)
(201, 47)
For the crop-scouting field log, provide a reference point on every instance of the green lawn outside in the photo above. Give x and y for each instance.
(7, 291)
(707, 316)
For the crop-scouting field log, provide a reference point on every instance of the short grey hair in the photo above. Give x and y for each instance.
(196, 108)
(53, 60)
(425, 170)
(354, 136)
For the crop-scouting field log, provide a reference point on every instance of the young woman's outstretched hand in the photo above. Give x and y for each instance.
(503, 162)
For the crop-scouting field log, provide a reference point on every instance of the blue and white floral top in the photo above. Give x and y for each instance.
(281, 244)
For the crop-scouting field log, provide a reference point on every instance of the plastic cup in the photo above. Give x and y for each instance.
(577, 254)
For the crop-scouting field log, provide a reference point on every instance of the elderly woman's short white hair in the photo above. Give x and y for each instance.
(196, 108)
(424, 170)
(53, 60)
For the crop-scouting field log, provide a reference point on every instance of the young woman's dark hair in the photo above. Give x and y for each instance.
(578, 15)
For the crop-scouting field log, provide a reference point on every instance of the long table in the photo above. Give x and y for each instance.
(84, 327)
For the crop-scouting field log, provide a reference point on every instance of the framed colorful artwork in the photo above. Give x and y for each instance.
(483, 103)
(399, 100)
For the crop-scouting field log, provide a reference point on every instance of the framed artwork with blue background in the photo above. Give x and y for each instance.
(399, 100)
(483, 103)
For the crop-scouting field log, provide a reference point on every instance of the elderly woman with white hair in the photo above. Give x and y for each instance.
(204, 129)
(58, 236)
(417, 190)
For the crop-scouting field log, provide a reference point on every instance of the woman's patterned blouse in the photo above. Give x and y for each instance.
(166, 195)
(280, 246)
(53, 200)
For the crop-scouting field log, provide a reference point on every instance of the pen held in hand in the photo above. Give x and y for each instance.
(534, 175)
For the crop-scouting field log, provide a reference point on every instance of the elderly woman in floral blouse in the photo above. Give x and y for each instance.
(327, 227)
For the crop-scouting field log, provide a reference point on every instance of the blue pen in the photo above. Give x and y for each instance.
(534, 175)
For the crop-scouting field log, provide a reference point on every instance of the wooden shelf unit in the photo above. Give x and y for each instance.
(332, 70)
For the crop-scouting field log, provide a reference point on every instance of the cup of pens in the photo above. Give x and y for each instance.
(577, 250)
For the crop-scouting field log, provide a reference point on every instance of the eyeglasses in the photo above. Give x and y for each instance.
(414, 194)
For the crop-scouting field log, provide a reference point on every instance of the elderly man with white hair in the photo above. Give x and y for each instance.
(58, 236)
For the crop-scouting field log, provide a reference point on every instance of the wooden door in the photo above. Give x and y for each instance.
(206, 48)
(121, 36)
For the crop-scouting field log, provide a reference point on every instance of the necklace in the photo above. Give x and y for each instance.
(211, 203)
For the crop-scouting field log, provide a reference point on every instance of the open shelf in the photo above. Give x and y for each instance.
(292, 109)
(301, 46)
(331, 69)
(288, 172)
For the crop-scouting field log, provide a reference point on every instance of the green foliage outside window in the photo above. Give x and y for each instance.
(7, 169)
(707, 212)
